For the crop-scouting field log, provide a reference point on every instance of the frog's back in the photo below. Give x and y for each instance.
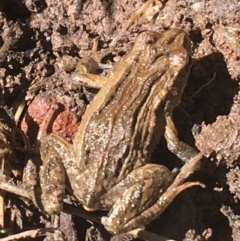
(127, 117)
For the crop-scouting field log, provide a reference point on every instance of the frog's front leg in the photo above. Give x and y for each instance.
(180, 149)
(133, 195)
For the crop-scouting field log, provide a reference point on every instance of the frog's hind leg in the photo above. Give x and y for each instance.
(135, 194)
(52, 181)
(138, 204)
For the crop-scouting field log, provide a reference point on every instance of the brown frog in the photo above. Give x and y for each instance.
(108, 163)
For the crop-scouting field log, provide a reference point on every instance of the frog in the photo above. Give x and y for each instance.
(108, 164)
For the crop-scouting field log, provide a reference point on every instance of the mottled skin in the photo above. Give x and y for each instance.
(108, 163)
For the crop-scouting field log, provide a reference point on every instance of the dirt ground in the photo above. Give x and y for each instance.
(42, 41)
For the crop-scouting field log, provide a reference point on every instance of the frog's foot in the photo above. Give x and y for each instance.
(86, 70)
(85, 75)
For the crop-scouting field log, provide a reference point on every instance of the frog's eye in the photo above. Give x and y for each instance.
(152, 39)
(146, 37)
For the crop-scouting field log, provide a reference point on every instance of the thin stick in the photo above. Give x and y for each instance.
(14, 189)
(149, 236)
(131, 21)
(25, 234)
(2, 195)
